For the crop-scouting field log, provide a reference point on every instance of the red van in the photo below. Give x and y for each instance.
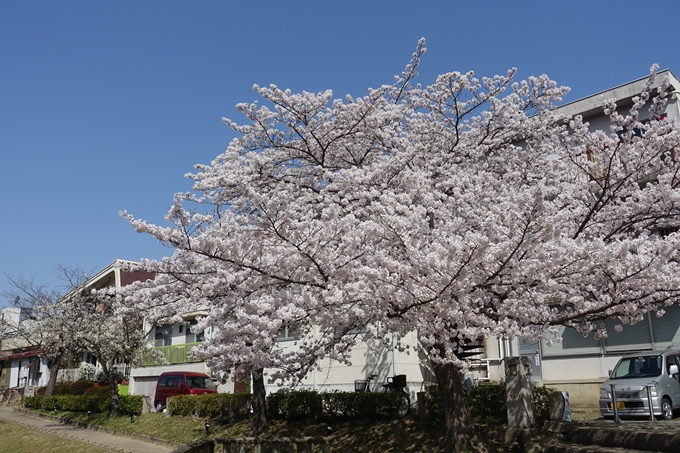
(173, 383)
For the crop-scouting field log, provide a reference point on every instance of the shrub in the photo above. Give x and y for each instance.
(128, 404)
(487, 403)
(79, 387)
(542, 404)
(224, 406)
(80, 403)
(343, 404)
(103, 390)
(131, 404)
(87, 372)
(305, 403)
(361, 405)
(433, 403)
(65, 388)
(301, 404)
(377, 405)
(62, 389)
(33, 402)
(102, 379)
(274, 405)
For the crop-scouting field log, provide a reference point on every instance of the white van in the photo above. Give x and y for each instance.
(637, 374)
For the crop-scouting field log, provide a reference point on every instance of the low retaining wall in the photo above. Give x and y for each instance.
(583, 394)
(258, 445)
(202, 446)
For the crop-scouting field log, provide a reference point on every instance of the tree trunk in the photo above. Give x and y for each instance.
(259, 402)
(113, 386)
(460, 431)
(54, 372)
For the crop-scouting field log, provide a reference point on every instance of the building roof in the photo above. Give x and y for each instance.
(107, 277)
(623, 94)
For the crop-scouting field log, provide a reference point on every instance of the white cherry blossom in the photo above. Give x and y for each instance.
(459, 210)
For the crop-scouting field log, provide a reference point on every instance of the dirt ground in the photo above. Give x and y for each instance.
(587, 413)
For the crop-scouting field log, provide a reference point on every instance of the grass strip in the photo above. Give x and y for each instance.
(20, 439)
(403, 435)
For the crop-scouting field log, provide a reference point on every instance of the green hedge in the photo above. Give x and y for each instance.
(129, 404)
(487, 404)
(542, 404)
(363, 405)
(72, 388)
(32, 402)
(223, 406)
(311, 404)
(300, 404)
(290, 406)
(80, 403)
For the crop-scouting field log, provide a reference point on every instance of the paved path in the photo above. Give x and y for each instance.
(101, 439)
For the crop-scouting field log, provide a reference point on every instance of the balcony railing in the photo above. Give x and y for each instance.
(175, 354)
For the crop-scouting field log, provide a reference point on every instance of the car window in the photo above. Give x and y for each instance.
(671, 360)
(198, 382)
(165, 382)
(634, 367)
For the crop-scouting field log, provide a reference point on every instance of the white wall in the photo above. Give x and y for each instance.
(22, 375)
(367, 359)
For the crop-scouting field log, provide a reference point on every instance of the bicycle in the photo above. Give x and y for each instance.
(395, 384)
(364, 385)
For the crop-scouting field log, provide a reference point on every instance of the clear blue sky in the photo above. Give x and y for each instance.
(104, 106)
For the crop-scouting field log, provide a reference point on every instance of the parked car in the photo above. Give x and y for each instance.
(637, 374)
(172, 383)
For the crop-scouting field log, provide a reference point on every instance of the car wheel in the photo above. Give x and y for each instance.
(159, 406)
(666, 409)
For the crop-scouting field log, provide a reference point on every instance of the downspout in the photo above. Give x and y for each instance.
(314, 370)
(394, 354)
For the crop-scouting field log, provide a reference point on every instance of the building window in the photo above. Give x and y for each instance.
(664, 232)
(90, 358)
(652, 333)
(192, 337)
(163, 335)
(288, 332)
(24, 314)
(357, 331)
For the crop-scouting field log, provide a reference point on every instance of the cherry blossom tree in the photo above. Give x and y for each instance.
(461, 210)
(74, 319)
(99, 327)
(46, 325)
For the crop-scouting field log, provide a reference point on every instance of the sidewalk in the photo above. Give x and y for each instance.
(99, 438)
